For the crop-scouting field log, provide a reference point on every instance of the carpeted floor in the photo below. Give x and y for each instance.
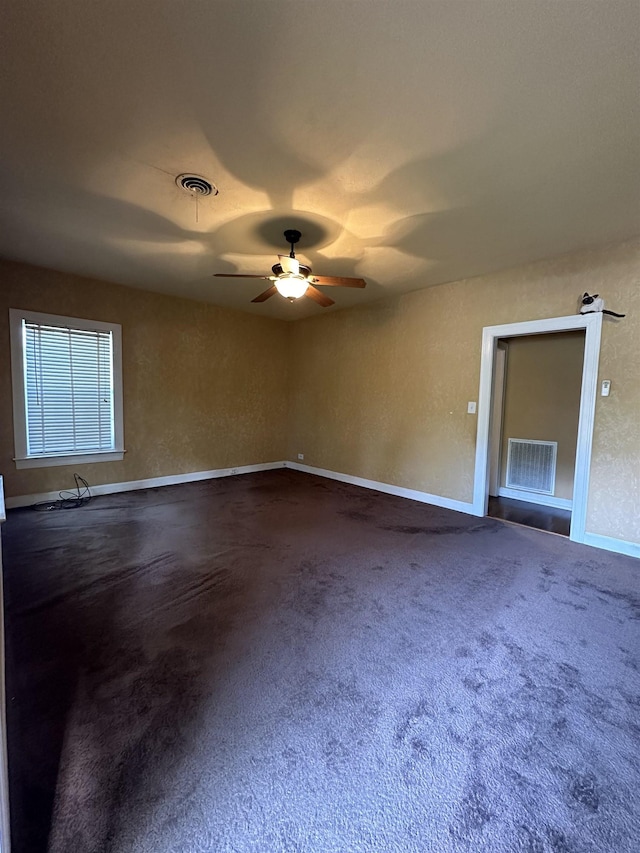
(277, 663)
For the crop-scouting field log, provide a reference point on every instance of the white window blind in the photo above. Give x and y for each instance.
(68, 389)
(66, 375)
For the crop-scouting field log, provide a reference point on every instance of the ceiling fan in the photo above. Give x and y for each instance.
(293, 279)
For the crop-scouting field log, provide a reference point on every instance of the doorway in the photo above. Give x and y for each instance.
(592, 326)
(534, 428)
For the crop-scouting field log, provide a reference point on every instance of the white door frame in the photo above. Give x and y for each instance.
(592, 324)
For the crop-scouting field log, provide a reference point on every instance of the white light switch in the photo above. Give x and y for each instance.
(471, 408)
(606, 387)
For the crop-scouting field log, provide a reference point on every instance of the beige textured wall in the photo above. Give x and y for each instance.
(542, 398)
(204, 387)
(381, 391)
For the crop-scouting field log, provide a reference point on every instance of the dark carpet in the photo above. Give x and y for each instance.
(278, 663)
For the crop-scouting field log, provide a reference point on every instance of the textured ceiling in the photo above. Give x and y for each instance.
(411, 142)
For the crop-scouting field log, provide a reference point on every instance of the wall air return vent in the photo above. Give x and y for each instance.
(531, 465)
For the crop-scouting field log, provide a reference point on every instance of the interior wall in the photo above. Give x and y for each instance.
(381, 391)
(378, 392)
(542, 398)
(204, 387)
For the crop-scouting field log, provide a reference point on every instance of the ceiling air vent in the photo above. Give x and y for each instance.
(196, 185)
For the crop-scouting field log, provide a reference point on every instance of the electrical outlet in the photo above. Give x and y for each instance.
(471, 408)
(301, 456)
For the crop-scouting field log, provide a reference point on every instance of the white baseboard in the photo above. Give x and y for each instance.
(608, 543)
(152, 483)
(412, 494)
(535, 498)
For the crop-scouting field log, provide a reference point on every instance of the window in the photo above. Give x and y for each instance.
(67, 390)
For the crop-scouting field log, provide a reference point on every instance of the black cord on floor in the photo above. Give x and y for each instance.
(68, 499)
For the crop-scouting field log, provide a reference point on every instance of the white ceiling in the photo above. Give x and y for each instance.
(411, 142)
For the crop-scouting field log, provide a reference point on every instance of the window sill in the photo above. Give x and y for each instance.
(70, 459)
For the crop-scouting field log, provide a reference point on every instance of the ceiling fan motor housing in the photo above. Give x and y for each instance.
(305, 271)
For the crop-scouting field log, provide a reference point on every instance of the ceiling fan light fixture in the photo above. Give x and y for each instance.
(292, 279)
(291, 286)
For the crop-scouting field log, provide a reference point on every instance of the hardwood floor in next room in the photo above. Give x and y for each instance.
(531, 515)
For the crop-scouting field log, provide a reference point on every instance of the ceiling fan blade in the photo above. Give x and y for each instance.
(337, 281)
(239, 275)
(266, 293)
(289, 264)
(317, 296)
